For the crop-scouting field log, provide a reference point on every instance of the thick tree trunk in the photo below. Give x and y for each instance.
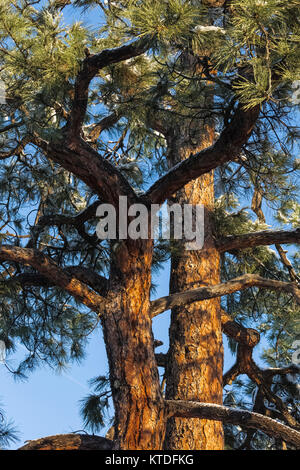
(195, 359)
(138, 402)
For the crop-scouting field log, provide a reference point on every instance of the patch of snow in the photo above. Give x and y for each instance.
(205, 29)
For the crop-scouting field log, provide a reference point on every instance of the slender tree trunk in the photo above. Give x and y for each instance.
(138, 402)
(195, 358)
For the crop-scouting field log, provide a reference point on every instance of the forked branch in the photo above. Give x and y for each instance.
(90, 67)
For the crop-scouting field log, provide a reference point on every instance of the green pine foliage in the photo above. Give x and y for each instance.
(8, 432)
(94, 408)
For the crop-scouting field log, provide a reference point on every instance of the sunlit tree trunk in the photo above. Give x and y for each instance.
(195, 358)
(138, 402)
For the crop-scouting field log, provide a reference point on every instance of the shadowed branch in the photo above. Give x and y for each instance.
(56, 275)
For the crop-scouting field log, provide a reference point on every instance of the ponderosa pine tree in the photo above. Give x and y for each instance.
(202, 93)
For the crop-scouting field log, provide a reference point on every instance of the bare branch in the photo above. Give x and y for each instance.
(77, 221)
(286, 262)
(240, 283)
(105, 123)
(13, 125)
(17, 150)
(244, 418)
(236, 331)
(291, 369)
(69, 442)
(51, 271)
(99, 283)
(245, 364)
(252, 239)
(95, 281)
(161, 359)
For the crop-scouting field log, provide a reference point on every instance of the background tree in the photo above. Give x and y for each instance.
(203, 89)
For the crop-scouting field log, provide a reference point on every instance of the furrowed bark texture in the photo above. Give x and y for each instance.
(69, 442)
(139, 408)
(195, 359)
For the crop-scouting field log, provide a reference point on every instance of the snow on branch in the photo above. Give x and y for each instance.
(205, 29)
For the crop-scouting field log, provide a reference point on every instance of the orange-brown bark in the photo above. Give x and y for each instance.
(195, 358)
(138, 402)
(69, 442)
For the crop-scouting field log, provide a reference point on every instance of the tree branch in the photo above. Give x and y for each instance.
(265, 237)
(226, 148)
(17, 150)
(90, 67)
(56, 275)
(286, 262)
(77, 221)
(13, 125)
(245, 364)
(240, 283)
(161, 359)
(263, 379)
(76, 155)
(246, 336)
(69, 442)
(105, 123)
(244, 418)
(236, 331)
(81, 159)
(95, 281)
